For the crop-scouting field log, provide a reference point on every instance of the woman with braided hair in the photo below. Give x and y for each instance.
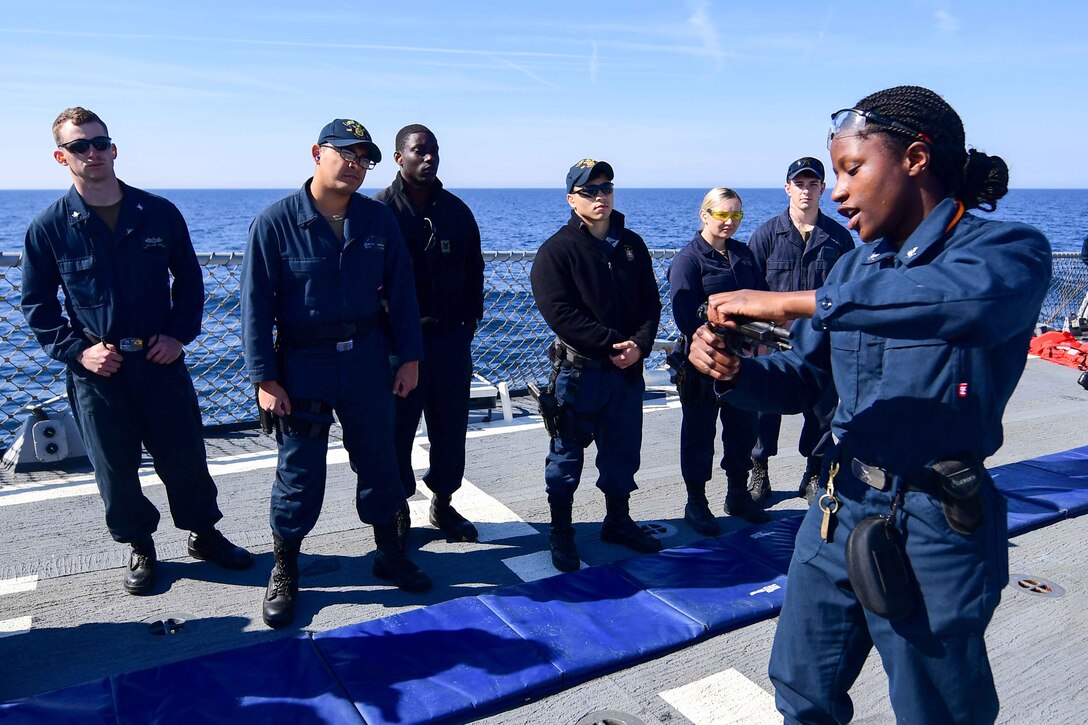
(923, 332)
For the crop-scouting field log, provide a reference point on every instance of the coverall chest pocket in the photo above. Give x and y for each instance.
(154, 267)
(925, 366)
(309, 281)
(719, 281)
(82, 285)
(845, 366)
(780, 273)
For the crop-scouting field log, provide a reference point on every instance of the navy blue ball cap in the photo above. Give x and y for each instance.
(806, 163)
(585, 170)
(347, 132)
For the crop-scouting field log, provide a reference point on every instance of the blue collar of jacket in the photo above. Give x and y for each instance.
(783, 225)
(932, 229)
(706, 250)
(307, 213)
(78, 211)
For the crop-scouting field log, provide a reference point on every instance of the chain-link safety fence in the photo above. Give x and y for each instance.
(509, 346)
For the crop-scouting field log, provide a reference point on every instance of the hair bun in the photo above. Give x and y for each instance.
(985, 180)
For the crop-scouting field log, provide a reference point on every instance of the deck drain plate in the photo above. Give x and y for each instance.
(167, 624)
(658, 529)
(1036, 586)
(609, 717)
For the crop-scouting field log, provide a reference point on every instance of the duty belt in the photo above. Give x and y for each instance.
(881, 478)
(576, 360)
(339, 336)
(125, 344)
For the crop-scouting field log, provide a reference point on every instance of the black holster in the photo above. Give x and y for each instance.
(269, 423)
(691, 385)
(960, 484)
(549, 406)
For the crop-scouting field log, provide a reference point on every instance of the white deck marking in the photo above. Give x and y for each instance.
(530, 567)
(724, 698)
(19, 584)
(12, 627)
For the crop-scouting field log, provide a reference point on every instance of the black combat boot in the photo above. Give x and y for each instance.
(391, 564)
(810, 483)
(139, 575)
(561, 537)
(619, 528)
(279, 598)
(697, 511)
(738, 502)
(446, 519)
(759, 484)
(403, 523)
(211, 545)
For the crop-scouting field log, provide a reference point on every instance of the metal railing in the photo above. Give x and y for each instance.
(509, 346)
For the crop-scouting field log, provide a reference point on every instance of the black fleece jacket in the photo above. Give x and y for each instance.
(593, 295)
(444, 242)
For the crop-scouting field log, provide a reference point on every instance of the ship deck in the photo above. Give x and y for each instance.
(64, 618)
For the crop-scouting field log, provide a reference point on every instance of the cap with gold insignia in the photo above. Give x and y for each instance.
(585, 170)
(346, 132)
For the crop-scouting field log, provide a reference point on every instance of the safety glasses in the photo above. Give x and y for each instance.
(592, 191)
(80, 145)
(725, 216)
(851, 121)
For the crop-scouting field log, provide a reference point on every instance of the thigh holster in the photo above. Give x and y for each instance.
(309, 418)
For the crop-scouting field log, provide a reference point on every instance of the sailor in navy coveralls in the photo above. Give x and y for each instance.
(795, 251)
(712, 262)
(924, 334)
(113, 248)
(319, 267)
(593, 281)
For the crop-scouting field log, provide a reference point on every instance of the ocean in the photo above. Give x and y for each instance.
(507, 347)
(520, 219)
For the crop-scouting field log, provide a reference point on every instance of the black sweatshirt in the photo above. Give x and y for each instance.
(593, 295)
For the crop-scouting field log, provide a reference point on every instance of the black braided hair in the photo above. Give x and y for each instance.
(404, 133)
(974, 178)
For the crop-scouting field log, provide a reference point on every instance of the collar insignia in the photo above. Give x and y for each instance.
(911, 252)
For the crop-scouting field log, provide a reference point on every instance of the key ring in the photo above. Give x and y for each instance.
(828, 508)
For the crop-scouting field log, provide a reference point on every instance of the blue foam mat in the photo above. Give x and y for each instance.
(1042, 487)
(282, 681)
(605, 620)
(90, 702)
(458, 659)
(434, 663)
(710, 583)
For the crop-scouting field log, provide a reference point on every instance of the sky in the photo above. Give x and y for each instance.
(699, 93)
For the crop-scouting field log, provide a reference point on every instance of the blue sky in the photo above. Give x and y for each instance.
(232, 94)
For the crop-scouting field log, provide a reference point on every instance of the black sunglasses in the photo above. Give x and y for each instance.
(592, 191)
(80, 145)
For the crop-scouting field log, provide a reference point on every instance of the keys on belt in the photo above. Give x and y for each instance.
(130, 344)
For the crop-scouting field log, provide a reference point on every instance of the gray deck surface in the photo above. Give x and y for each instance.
(84, 626)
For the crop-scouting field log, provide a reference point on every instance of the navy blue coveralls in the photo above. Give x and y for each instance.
(324, 298)
(788, 264)
(697, 272)
(444, 243)
(924, 346)
(592, 294)
(117, 286)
